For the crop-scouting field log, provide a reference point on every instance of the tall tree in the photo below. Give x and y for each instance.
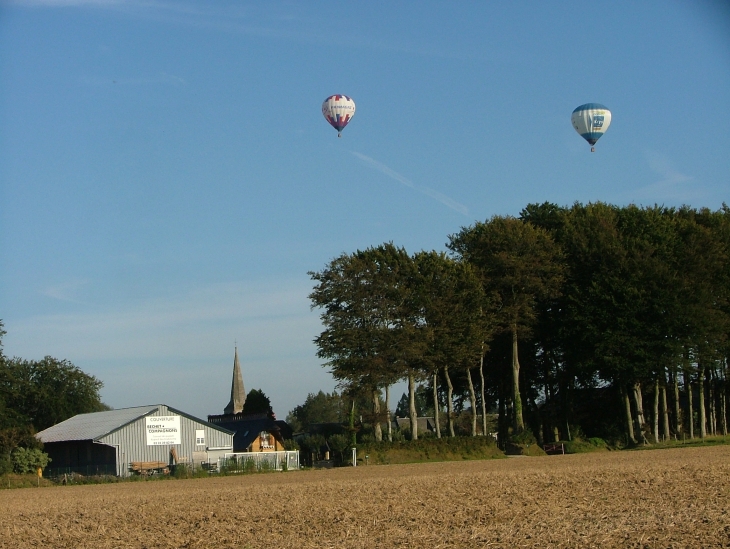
(608, 298)
(257, 403)
(372, 330)
(48, 391)
(319, 408)
(704, 263)
(35, 395)
(455, 309)
(520, 263)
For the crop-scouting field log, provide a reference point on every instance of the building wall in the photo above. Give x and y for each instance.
(130, 442)
(265, 444)
(117, 450)
(82, 456)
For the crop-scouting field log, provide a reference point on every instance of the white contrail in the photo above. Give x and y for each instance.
(673, 186)
(445, 200)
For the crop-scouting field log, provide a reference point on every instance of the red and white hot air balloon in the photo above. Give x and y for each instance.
(338, 110)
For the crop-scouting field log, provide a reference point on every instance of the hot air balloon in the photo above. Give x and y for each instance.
(338, 110)
(591, 121)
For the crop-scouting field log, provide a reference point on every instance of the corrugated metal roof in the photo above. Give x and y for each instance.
(93, 426)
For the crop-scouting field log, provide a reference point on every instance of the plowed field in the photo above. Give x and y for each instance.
(662, 498)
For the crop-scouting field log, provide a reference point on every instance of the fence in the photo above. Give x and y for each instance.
(553, 449)
(243, 462)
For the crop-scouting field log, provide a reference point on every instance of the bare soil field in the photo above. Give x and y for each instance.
(660, 498)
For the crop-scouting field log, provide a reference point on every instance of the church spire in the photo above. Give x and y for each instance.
(238, 393)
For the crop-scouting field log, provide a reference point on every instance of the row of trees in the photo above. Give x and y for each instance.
(34, 395)
(563, 319)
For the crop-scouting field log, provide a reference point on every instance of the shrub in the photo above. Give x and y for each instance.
(312, 443)
(339, 443)
(431, 449)
(291, 445)
(523, 437)
(576, 446)
(366, 438)
(27, 460)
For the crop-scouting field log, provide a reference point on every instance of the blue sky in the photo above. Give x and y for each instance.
(167, 179)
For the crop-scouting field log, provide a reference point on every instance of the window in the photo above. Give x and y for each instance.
(199, 437)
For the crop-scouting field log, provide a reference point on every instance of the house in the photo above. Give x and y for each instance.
(424, 424)
(254, 432)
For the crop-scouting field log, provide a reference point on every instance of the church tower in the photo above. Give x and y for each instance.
(238, 392)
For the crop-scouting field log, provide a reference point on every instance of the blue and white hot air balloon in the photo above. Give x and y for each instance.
(591, 121)
(338, 110)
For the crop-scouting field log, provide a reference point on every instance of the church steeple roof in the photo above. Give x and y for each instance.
(238, 392)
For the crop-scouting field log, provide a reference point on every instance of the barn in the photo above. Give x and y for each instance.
(142, 439)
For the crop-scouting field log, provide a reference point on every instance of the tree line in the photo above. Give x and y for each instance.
(587, 320)
(35, 395)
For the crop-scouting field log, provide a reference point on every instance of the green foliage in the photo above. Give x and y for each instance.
(12, 437)
(312, 444)
(246, 465)
(525, 436)
(28, 460)
(339, 443)
(520, 265)
(423, 400)
(319, 408)
(35, 395)
(45, 392)
(184, 471)
(574, 305)
(6, 463)
(374, 334)
(257, 403)
(430, 449)
(290, 445)
(578, 446)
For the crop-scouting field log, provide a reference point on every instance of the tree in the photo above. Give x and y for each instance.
(45, 392)
(423, 408)
(35, 395)
(605, 304)
(521, 264)
(597, 308)
(257, 403)
(371, 336)
(318, 408)
(703, 262)
(339, 443)
(455, 311)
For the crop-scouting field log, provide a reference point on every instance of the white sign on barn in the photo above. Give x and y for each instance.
(163, 430)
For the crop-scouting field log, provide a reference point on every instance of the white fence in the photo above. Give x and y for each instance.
(260, 461)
